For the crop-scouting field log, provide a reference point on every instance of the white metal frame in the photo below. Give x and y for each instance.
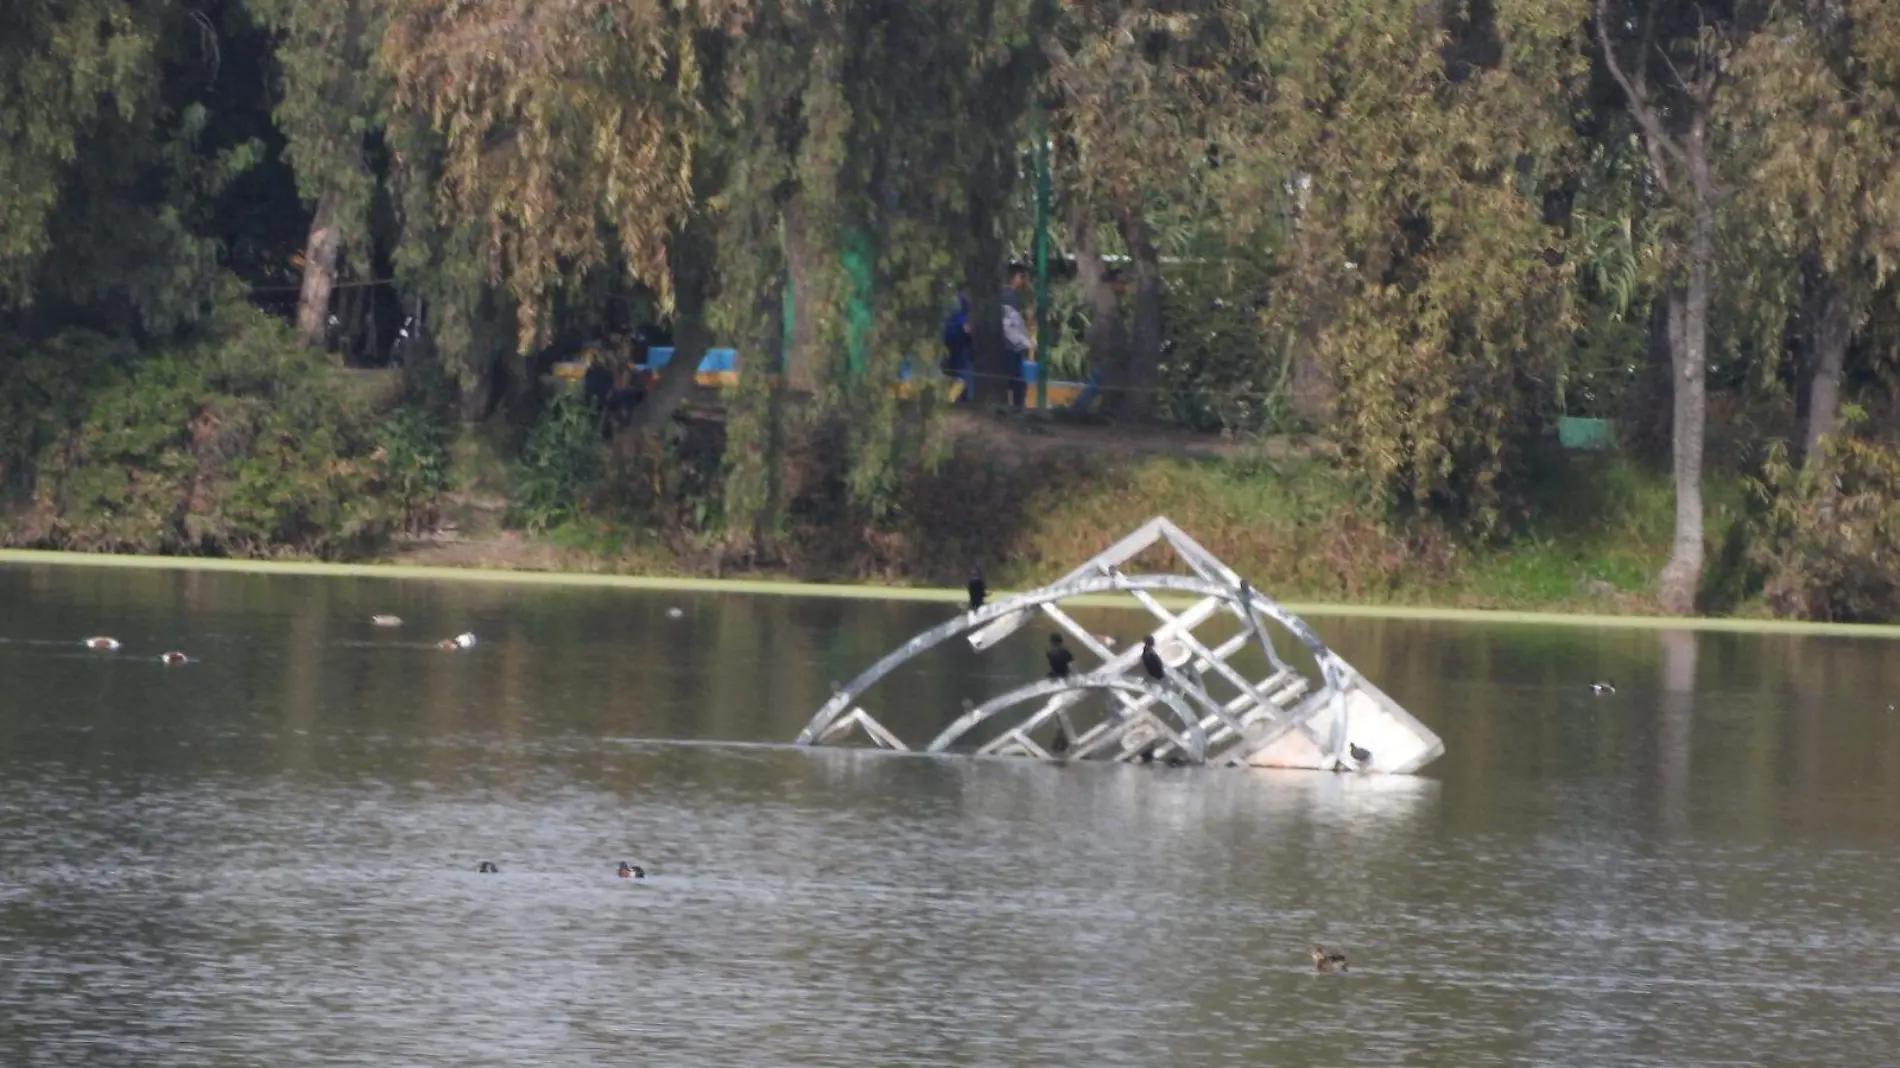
(1196, 727)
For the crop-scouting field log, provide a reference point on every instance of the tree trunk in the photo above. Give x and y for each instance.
(1144, 349)
(1831, 328)
(982, 280)
(1108, 335)
(694, 257)
(1680, 165)
(1688, 352)
(482, 377)
(319, 273)
(1310, 392)
(349, 317)
(802, 272)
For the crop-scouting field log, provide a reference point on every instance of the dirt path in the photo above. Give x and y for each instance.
(471, 534)
(503, 550)
(1033, 434)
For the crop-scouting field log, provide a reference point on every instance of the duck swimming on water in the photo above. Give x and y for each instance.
(102, 643)
(631, 871)
(1328, 962)
(386, 621)
(1603, 688)
(460, 641)
(173, 657)
(488, 868)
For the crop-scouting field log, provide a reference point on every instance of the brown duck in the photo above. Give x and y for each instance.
(1328, 962)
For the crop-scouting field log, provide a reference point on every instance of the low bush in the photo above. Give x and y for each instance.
(236, 441)
(561, 467)
(1828, 536)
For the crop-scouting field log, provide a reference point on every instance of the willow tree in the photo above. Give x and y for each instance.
(975, 75)
(332, 100)
(868, 144)
(569, 139)
(114, 150)
(778, 299)
(1411, 150)
(940, 98)
(65, 69)
(1142, 96)
(71, 76)
(1813, 213)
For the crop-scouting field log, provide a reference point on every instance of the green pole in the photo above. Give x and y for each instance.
(1044, 333)
(788, 336)
(860, 269)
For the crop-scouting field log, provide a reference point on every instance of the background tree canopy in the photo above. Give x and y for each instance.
(1421, 234)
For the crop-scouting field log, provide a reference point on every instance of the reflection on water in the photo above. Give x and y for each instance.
(268, 857)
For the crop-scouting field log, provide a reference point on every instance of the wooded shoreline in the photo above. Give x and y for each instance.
(788, 588)
(1444, 242)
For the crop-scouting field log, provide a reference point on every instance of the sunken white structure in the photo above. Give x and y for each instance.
(1326, 717)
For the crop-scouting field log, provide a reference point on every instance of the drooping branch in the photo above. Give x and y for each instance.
(1641, 107)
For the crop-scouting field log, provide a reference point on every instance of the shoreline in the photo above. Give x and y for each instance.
(794, 588)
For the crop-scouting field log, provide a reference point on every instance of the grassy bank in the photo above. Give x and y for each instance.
(245, 448)
(1027, 501)
(758, 587)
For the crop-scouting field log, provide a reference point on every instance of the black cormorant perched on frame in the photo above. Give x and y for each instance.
(1059, 657)
(1152, 660)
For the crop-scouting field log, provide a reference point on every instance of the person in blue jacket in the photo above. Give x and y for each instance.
(960, 362)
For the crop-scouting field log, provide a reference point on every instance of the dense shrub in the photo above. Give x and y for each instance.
(45, 390)
(234, 442)
(561, 467)
(1828, 539)
(412, 454)
(1223, 369)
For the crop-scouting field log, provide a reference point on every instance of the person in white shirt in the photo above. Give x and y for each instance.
(1016, 334)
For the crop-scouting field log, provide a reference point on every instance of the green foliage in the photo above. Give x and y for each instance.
(569, 130)
(1223, 368)
(1421, 274)
(114, 151)
(1442, 214)
(1602, 366)
(412, 451)
(333, 95)
(236, 443)
(1828, 539)
(45, 389)
(561, 466)
(62, 66)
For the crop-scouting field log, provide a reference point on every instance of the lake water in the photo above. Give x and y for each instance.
(267, 857)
